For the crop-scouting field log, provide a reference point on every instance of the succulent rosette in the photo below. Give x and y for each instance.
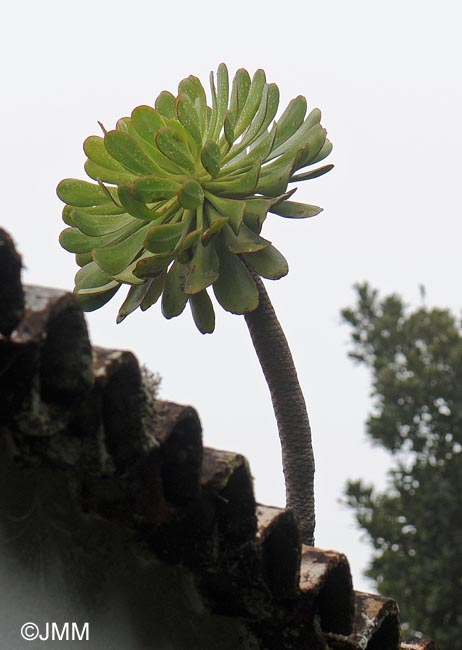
(180, 194)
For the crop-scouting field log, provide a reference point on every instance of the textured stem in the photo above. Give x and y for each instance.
(289, 407)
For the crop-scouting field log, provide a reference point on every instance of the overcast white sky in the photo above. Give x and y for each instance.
(386, 76)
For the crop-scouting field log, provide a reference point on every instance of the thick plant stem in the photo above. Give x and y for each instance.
(289, 406)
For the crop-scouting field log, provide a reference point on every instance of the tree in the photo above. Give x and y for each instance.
(181, 194)
(415, 359)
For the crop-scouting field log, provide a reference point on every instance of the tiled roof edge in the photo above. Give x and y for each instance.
(141, 461)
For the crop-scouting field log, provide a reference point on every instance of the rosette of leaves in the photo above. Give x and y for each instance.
(180, 192)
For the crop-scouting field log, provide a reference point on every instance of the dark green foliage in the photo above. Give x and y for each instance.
(415, 358)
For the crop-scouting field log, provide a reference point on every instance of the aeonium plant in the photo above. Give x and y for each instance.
(179, 196)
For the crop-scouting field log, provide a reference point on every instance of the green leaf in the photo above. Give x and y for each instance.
(255, 213)
(263, 145)
(193, 88)
(220, 101)
(229, 125)
(95, 291)
(315, 142)
(135, 297)
(74, 241)
(252, 102)
(210, 158)
(96, 151)
(295, 210)
(216, 222)
(68, 215)
(105, 175)
(234, 289)
(154, 188)
(325, 151)
(82, 194)
(256, 210)
(154, 292)
(165, 104)
(264, 115)
(95, 301)
(163, 238)
(91, 276)
(184, 252)
(203, 312)
(115, 257)
(188, 117)
(96, 225)
(202, 271)
(239, 92)
(268, 263)
(122, 125)
(106, 209)
(291, 120)
(173, 297)
(257, 153)
(312, 174)
(230, 208)
(246, 242)
(212, 113)
(306, 133)
(185, 136)
(152, 265)
(162, 165)
(126, 276)
(274, 181)
(191, 194)
(82, 259)
(174, 147)
(77, 242)
(124, 148)
(237, 185)
(146, 121)
(134, 207)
